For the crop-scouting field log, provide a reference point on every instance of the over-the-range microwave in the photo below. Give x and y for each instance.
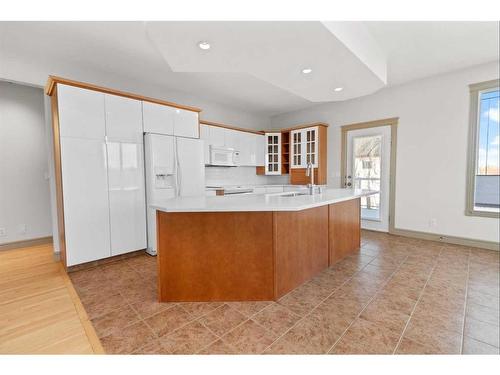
(224, 157)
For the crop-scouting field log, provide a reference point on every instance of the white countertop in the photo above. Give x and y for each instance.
(258, 202)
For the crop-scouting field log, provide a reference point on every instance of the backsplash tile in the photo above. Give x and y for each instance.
(216, 176)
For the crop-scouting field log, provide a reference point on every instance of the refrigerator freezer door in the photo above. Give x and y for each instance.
(191, 167)
(160, 166)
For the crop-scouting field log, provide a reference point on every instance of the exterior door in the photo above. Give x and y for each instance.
(368, 156)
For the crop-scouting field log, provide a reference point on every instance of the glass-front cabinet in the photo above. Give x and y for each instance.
(273, 153)
(304, 147)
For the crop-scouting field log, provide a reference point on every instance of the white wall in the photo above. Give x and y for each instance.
(431, 151)
(35, 73)
(24, 184)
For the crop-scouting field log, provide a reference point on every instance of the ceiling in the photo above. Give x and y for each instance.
(255, 66)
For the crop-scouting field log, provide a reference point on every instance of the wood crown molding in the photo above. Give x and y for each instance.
(53, 80)
(221, 125)
(296, 127)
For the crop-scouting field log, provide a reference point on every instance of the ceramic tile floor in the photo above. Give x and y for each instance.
(395, 296)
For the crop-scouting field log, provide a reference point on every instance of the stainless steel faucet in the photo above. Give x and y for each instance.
(310, 173)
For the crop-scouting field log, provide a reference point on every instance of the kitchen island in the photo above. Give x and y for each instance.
(252, 247)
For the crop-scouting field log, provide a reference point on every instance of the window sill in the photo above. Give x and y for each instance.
(493, 214)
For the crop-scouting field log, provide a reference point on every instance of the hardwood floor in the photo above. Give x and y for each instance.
(40, 312)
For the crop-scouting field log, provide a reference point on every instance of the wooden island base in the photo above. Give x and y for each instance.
(250, 256)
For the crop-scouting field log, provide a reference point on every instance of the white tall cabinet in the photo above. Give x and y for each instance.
(125, 166)
(102, 173)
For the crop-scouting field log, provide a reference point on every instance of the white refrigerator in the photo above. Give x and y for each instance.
(175, 167)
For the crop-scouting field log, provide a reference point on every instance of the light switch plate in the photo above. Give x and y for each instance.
(2, 232)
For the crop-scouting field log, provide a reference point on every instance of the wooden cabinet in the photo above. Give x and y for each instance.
(273, 154)
(308, 145)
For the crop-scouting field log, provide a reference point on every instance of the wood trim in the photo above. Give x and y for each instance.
(260, 170)
(58, 175)
(26, 243)
(489, 245)
(52, 82)
(82, 314)
(322, 156)
(393, 123)
(296, 127)
(231, 127)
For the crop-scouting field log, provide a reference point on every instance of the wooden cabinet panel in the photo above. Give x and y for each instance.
(344, 229)
(223, 256)
(301, 246)
(298, 177)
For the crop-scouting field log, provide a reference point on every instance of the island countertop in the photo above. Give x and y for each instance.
(259, 202)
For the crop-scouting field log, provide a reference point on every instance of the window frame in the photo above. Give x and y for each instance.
(473, 149)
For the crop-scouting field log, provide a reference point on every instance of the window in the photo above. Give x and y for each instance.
(483, 188)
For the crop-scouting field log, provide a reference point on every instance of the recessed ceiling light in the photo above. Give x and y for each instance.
(337, 89)
(204, 45)
(306, 70)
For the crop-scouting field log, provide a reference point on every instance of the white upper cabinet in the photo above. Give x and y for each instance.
(186, 123)
(81, 112)
(205, 136)
(304, 147)
(260, 157)
(273, 154)
(158, 118)
(123, 119)
(246, 147)
(251, 147)
(213, 135)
